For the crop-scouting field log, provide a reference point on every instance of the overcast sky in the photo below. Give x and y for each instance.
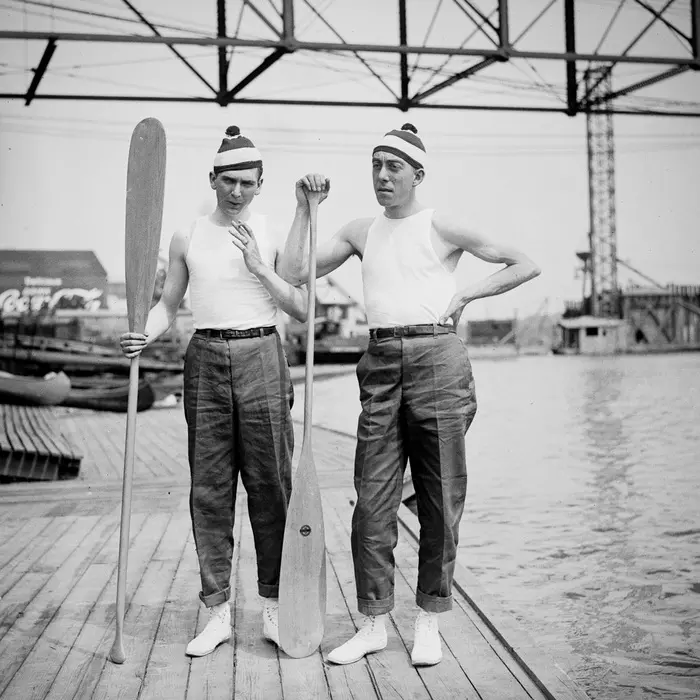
(518, 178)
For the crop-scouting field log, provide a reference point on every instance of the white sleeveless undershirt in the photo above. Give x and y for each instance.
(223, 292)
(404, 281)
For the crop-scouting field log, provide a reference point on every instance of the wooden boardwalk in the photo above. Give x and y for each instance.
(58, 554)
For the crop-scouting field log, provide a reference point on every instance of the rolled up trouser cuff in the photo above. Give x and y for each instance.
(267, 590)
(433, 603)
(216, 598)
(376, 607)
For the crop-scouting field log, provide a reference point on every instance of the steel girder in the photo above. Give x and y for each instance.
(581, 96)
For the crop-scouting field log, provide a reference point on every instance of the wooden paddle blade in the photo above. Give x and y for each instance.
(303, 592)
(145, 185)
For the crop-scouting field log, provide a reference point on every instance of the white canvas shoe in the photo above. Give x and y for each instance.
(218, 630)
(370, 637)
(271, 629)
(427, 648)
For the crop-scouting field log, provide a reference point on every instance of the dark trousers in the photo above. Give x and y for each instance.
(418, 401)
(237, 396)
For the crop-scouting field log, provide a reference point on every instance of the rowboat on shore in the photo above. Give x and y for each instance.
(49, 390)
(109, 396)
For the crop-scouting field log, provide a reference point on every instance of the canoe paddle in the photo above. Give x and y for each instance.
(145, 181)
(302, 593)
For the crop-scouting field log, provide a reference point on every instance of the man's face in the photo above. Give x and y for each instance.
(235, 189)
(393, 178)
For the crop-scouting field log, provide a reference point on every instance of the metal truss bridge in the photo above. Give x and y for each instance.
(529, 55)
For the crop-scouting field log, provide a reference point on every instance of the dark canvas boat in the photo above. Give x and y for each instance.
(48, 390)
(80, 361)
(109, 396)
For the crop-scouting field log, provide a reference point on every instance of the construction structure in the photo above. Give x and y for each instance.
(610, 320)
(662, 317)
(601, 187)
(651, 319)
(577, 57)
(414, 55)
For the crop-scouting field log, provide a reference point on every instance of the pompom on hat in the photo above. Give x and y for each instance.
(236, 152)
(406, 144)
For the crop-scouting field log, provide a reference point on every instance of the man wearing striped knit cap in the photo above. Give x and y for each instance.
(416, 384)
(237, 389)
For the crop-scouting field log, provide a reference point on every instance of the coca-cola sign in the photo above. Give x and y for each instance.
(48, 294)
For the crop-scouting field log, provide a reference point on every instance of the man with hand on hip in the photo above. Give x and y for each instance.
(416, 384)
(237, 388)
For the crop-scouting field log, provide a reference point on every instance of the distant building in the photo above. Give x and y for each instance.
(651, 319)
(340, 328)
(587, 335)
(116, 293)
(116, 296)
(490, 332)
(337, 306)
(37, 282)
(337, 313)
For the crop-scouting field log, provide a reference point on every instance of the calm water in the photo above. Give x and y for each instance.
(583, 513)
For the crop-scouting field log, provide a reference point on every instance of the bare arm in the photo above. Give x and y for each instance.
(518, 267)
(293, 264)
(162, 315)
(290, 299)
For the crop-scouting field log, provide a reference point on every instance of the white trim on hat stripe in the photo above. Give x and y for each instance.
(409, 149)
(236, 155)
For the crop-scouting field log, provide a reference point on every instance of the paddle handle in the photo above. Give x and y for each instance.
(117, 654)
(312, 198)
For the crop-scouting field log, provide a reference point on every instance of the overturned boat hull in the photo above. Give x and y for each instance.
(34, 391)
(110, 397)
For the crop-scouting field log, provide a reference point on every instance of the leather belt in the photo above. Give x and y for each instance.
(232, 333)
(408, 331)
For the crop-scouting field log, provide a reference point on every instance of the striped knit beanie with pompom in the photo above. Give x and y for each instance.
(236, 152)
(406, 144)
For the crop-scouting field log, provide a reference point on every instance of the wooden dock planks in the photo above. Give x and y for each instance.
(32, 445)
(57, 574)
(161, 444)
(464, 649)
(58, 553)
(76, 674)
(143, 614)
(166, 674)
(354, 681)
(257, 672)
